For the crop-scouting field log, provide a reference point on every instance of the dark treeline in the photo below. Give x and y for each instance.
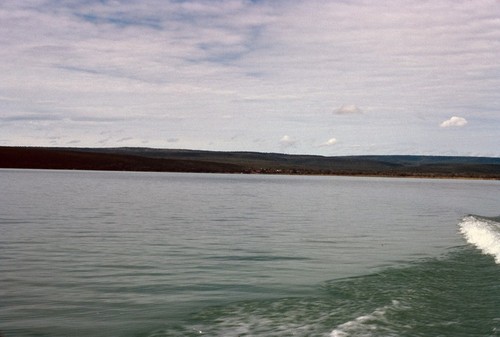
(167, 160)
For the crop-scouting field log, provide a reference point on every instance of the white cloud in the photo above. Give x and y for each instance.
(329, 142)
(348, 109)
(287, 141)
(454, 122)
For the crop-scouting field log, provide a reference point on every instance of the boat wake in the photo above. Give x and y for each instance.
(484, 233)
(426, 297)
(365, 325)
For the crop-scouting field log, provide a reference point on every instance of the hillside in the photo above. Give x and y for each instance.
(168, 160)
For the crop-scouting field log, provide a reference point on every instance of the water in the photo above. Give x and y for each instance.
(161, 254)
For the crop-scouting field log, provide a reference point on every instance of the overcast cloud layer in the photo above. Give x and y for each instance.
(317, 77)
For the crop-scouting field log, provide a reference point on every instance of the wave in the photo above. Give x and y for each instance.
(454, 295)
(484, 233)
(364, 325)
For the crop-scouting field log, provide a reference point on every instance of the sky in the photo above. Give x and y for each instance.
(339, 77)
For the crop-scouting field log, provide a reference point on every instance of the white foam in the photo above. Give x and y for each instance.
(363, 325)
(482, 233)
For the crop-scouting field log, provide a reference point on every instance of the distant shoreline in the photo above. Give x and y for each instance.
(171, 160)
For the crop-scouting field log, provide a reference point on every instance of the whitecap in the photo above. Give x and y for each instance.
(364, 325)
(482, 233)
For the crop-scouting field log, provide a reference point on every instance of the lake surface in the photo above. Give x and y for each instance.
(165, 254)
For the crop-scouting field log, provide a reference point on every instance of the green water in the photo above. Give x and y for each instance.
(435, 297)
(142, 254)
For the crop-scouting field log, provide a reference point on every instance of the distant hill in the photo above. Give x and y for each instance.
(170, 160)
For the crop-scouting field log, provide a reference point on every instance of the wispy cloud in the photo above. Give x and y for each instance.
(31, 117)
(146, 66)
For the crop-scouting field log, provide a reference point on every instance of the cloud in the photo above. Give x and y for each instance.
(454, 122)
(124, 139)
(31, 117)
(286, 141)
(348, 109)
(156, 66)
(329, 142)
